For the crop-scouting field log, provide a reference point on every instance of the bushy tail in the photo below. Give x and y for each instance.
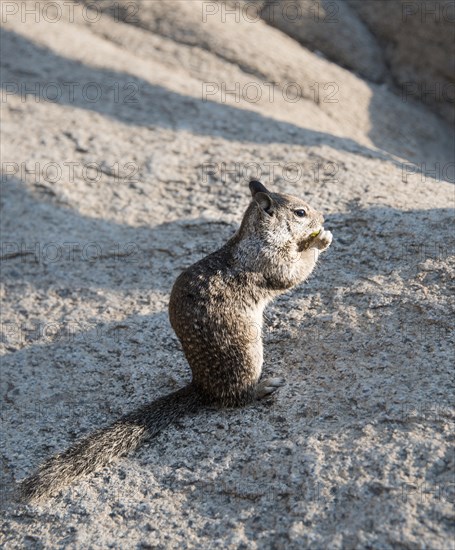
(101, 447)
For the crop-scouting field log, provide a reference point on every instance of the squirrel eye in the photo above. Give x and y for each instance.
(300, 213)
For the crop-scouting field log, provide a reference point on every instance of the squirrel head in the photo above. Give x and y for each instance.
(274, 238)
(284, 220)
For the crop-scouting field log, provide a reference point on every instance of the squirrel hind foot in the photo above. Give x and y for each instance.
(268, 386)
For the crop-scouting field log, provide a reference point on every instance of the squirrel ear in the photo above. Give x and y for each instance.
(257, 187)
(264, 201)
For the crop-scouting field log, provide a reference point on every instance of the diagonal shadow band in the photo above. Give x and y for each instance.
(33, 71)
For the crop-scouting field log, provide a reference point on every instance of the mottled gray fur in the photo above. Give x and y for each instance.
(216, 309)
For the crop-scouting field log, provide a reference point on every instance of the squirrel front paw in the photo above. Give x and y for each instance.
(322, 240)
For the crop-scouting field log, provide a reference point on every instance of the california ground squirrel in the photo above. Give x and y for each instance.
(215, 305)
